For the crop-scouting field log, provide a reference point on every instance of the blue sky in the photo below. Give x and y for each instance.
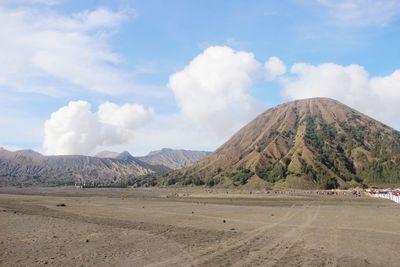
(184, 74)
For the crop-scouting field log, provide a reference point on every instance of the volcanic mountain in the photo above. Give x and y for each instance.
(311, 143)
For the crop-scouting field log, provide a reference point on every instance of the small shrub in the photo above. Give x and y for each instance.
(242, 176)
(332, 183)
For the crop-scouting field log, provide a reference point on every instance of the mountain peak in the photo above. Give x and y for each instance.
(308, 143)
(29, 152)
(125, 155)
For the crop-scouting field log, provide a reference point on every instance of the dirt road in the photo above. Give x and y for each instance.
(126, 227)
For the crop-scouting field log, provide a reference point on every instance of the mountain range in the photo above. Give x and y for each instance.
(171, 158)
(311, 143)
(27, 167)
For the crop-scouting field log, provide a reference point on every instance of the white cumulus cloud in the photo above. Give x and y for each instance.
(352, 85)
(274, 68)
(212, 91)
(76, 129)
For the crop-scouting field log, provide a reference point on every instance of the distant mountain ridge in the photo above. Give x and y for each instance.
(174, 158)
(27, 167)
(311, 143)
(170, 158)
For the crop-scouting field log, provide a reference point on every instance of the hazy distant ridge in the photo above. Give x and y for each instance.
(173, 158)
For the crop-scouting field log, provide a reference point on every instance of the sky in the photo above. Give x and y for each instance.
(79, 77)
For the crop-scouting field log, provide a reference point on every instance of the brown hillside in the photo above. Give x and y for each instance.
(318, 143)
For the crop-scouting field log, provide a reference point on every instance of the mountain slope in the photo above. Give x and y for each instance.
(311, 143)
(173, 158)
(30, 168)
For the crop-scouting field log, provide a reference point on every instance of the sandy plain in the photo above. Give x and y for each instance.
(195, 227)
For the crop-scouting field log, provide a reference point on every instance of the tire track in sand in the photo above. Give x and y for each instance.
(270, 254)
(219, 251)
(332, 258)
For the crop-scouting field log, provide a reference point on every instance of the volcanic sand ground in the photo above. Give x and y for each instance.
(165, 227)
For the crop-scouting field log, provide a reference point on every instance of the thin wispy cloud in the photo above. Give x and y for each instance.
(362, 12)
(30, 2)
(44, 51)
